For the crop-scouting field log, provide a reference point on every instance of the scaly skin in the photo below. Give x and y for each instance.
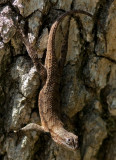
(49, 96)
(49, 99)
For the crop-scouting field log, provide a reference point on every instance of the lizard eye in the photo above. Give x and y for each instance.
(68, 140)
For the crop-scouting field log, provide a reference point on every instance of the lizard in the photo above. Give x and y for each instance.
(49, 96)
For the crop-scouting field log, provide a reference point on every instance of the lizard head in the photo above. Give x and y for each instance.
(67, 140)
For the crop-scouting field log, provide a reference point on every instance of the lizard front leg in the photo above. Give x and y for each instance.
(32, 127)
(28, 130)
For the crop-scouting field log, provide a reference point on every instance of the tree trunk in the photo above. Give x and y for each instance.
(88, 83)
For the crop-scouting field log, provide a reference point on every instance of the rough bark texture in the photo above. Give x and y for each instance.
(88, 86)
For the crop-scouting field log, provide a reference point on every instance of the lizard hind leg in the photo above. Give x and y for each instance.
(32, 52)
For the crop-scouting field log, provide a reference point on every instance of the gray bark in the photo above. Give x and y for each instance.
(88, 85)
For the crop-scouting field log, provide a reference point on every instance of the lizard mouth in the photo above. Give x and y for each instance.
(72, 146)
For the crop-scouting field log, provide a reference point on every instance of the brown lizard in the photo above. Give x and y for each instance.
(49, 96)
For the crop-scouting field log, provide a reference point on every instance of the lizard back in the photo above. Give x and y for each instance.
(49, 97)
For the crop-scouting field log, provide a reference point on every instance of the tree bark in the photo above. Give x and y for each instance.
(88, 83)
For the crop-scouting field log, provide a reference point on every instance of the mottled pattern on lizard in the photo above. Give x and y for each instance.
(49, 96)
